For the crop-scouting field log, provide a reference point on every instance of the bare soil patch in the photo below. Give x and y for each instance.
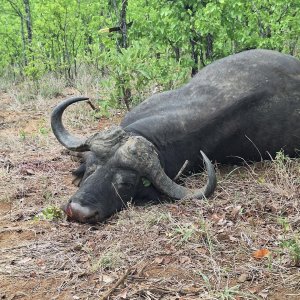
(182, 250)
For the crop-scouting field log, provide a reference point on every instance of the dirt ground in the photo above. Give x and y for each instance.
(243, 243)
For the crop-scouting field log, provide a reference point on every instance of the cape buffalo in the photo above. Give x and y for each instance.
(245, 106)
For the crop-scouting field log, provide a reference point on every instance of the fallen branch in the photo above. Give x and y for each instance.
(119, 282)
(16, 247)
(92, 105)
(18, 294)
(17, 229)
(181, 170)
(160, 290)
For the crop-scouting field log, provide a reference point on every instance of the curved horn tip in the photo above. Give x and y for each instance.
(71, 100)
(204, 155)
(63, 136)
(212, 178)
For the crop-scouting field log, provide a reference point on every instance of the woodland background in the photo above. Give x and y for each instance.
(125, 50)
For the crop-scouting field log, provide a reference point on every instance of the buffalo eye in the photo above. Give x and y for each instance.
(125, 180)
(125, 185)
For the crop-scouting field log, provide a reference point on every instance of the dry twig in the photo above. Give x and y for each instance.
(181, 170)
(119, 282)
(18, 229)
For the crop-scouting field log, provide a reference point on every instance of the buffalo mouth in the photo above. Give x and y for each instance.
(79, 213)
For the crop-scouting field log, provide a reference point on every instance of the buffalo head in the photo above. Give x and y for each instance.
(117, 163)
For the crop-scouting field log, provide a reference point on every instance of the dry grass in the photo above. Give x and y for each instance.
(184, 250)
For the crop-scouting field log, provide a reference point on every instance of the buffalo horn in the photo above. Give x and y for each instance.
(64, 137)
(167, 186)
(140, 154)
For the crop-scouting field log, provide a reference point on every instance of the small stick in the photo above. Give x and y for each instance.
(181, 170)
(91, 105)
(15, 247)
(119, 282)
(140, 273)
(20, 229)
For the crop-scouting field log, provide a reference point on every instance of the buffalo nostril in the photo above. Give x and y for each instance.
(76, 211)
(69, 211)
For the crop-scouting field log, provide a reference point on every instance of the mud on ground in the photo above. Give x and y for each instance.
(243, 243)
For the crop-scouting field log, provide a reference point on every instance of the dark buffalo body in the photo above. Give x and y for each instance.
(243, 107)
(232, 108)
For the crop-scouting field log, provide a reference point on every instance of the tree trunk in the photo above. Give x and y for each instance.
(123, 24)
(209, 46)
(19, 13)
(195, 56)
(126, 91)
(28, 22)
(23, 41)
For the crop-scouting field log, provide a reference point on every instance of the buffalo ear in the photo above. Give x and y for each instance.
(78, 175)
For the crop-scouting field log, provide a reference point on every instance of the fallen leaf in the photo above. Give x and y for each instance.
(27, 172)
(221, 222)
(30, 172)
(24, 260)
(40, 262)
(123, 295)
(263, 294)
(272, 207)
(243, 277)
(159, 260)
(82, 259)
(235, 211)
(229, 224)
(64, 224)
(215, 218)
(233, 239)
(253, 290)
(222, 236)
(167, 260)
(106, 279)
(261, 253)
(201, 250)
(272, 230)
(184, 260)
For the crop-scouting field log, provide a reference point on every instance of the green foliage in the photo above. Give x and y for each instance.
(281, 160)
(290, 241)
(134, 69)
(111, 259)
(22, 135)
(283, 222)
(293, 246)
(166, 40)
(103, 109)
(50, 213)
(185, 232)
